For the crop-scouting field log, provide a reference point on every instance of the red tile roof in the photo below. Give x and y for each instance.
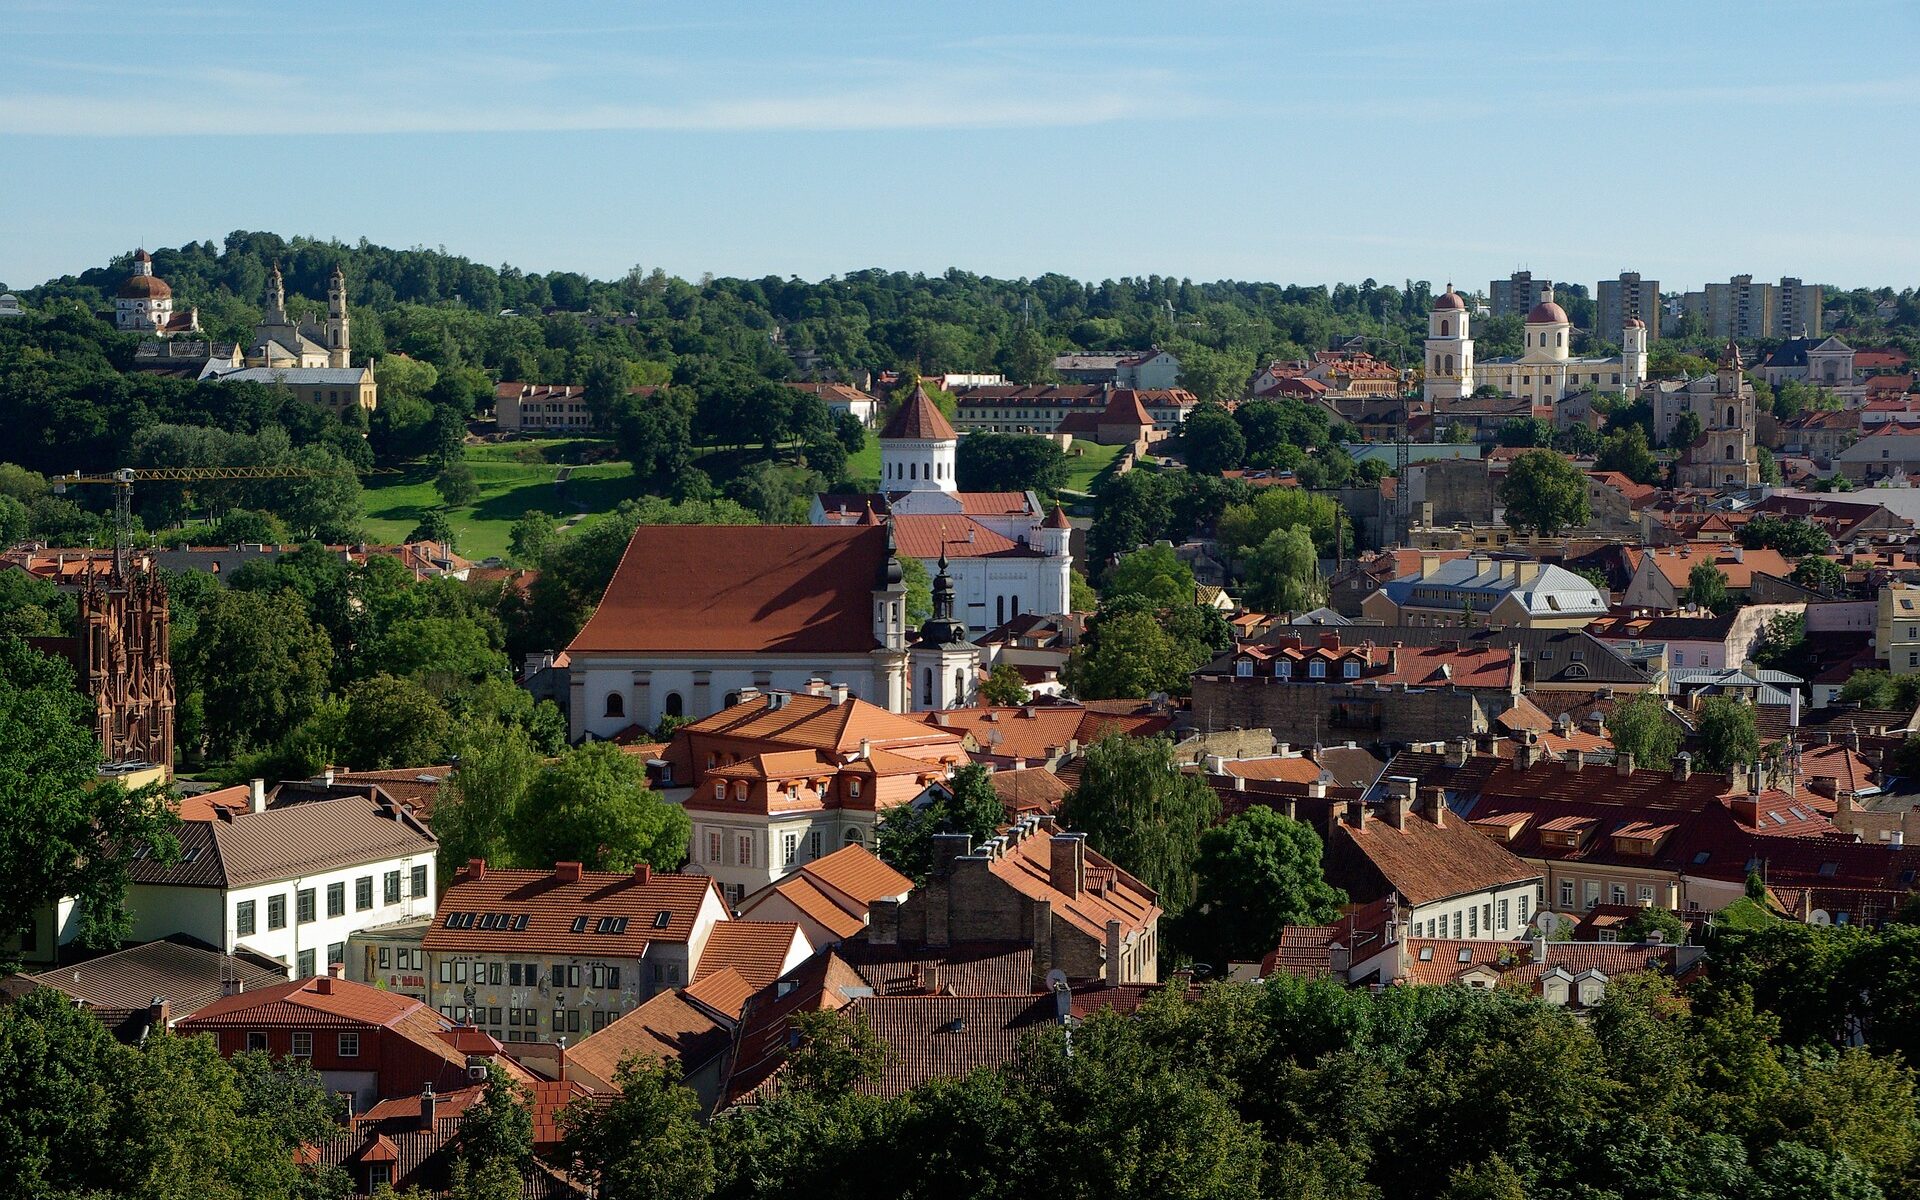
(1111, 894)
(956, 535)
(858, 874)
(1425, 862)
(668, 1027)
(488, 910)
(919, 419)
(757, 950)
(772, 589)
(724, 991)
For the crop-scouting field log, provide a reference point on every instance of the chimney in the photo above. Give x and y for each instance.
(866, 749)
(1397, 811)
(336, 970)
(1793, 708)
(1596, 723)
(883, 921)
(839, 693)
(476, 868)
(1216, 764)
(560, 1059)
(159, 1015)
(1575, 760)
(1623, 762)
(1458, 751)
(1527, 572)
(816, 686)
(323, 985)
(429, 1107)
(1526, 754)
(1429, 563)
(256, 795)
(642, 874)
(567, 872)
(326, 776)
(1113, 952)
(1067, 864)
(1682, 767)
(1356, 814)
(1436, 808)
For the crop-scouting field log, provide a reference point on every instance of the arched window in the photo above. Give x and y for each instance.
(674, 707)
(1015, 605)
(853, 838)
(1350, 669)
(1729, 453)
(1449, 367)
(1559, 339)
(926, 686)
(1283, 669)
(1243, 669)
(616, 704)
(960, 684)
(1731, 419)
(1446, 328)
(999, 610)
(1317, 669)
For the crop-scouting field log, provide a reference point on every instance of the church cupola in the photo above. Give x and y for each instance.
(945, 666)
(1449, 348)
(917, 448)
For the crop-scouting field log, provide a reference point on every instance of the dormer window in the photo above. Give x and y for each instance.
(1283, 669)
(1350, 669)
(1317, 669)
(720, 791)
(1243, 669)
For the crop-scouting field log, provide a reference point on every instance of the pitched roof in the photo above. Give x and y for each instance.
(1443, 960)
(724, 991)
(567, 911)
(1738, 564)
(773, 589)
(823, 983)
(963, 969)
(243, 848)
(1029, 731)
(321, 1000)
(928, 535)
(946, 1037)
(669, 1027)
(919, 419)
(1425, 862)
(824, 909)
(757, 950)
(1028, 790)
(858, 874)
(1024, 862)
(185, 972)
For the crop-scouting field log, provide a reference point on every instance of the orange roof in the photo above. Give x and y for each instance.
(1425, 862)
(810, 898)
(1038, 731)
(858, 874)
(724, 991)
(955, 535)
(816, 722)
(567, 911)
(758, 950)
(666, 1027)
(920, 419)
(320, 1000)
(770, 589)
(1738, 565)
(1124, 408)
(1291, 768)
(1111, 894)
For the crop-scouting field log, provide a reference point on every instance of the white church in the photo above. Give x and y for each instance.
(1545, 372)
(1005, 555)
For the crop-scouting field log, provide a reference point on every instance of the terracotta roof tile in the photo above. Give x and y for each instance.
(668, 1027)
(919, 419)
(1425, 862)
(504, 911)
(858, 874)
(724, 991)
(758, 950)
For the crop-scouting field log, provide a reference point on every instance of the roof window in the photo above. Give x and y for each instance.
(612, 925)
(580, 924)
(661, 918)
(1426, 954)
(1466, 955)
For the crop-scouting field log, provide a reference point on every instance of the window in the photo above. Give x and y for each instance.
(673, 705)
(720, 790)
(392, 888)
(419, 881)
(813, 845)
(303, 965)
(713, 839)
(302, 1044)
(303, 913)
(1617, 894)
(579, 926)
(1646, 893)
(1350, 669)
(276, 912)
(1473, 922)
(853, 789)
(446, 970)
(616, 705)
(1243, 669)
(1523, 909)
(1456, 924)
(257, 1041)
(243, 918)
(1593, 892)
(349, 1045)
(363, 893)
(1316, 669)
(1566, 893)
(496, 973)
(336, 900)
(336, 953)
(460, 971)
(1504, 915)
(744, 850)
(789, 849)
(1283, 669)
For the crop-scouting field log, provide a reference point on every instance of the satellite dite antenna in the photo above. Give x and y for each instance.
(1056, 980)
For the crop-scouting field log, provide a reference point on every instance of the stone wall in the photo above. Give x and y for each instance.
(1307, 713)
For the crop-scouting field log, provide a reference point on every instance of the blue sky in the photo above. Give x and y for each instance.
(1294, 142)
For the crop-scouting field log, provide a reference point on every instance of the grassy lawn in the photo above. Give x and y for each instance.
(1090, 462)
(864, 468)
(508, 488)
(1744, 914)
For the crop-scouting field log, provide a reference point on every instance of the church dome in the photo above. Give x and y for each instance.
(145, 287)
(1547, 313)
(1449, 300)
(1635, 323)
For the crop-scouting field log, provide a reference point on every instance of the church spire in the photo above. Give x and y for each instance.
(276, 313)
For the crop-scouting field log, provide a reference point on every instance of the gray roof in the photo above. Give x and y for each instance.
(185, 972)
(344, 376)
(1554, 591)
(1320, 616)
(1762, 682)
(1560, 656)
(286, 842)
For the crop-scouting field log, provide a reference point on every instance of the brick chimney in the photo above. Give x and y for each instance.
(567, 872)
(476, 868)
(1396, 810)
(642, 874)
(323, 985)
(337, 970)
(1436, 807)
(1623, 762)
(1575, 760)
(1458, 751)
(1682, 767)
(1356, 814)
(429, 1107)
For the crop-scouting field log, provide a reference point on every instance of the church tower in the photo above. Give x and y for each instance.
(945, 666)
(889, 628)
(1633, 354)
(276, 313)
(1449, 349)
(917, 448)
(338, 343)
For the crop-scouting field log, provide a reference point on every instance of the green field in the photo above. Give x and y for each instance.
(1090, 462)
(509, 486)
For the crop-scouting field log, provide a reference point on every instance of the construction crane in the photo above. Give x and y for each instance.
(123, 479)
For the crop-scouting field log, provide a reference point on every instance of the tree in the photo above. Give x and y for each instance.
(259, 666)
(1525, 431)
(1625, 450)
(1009, 462)
(1129, 656)
(495, 1147)
(1821, 575)
(1728, 737)
(1255, 875)
(834, 1054)
(1544, 494)
(1211, 440)
(1707, 587)
(478, 810)
(1686, 431)
(1154, 574)
(69, 833)
(919, 586)
(1769, 466)
(435, 526)
(648, 1142)
(1783, 644)
(966, 804)
(440, 652)
(1648, 921)
(393, 723)
(594, 807)
(1791, 536)
(455, 484)
(1004, 686)
(1283, 573)
(531, 536)
(1137, 808)
(1641, 727)
(1874, 688)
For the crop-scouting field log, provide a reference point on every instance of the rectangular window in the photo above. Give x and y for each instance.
(496, 973)
(460, 971)
(1593, 892)
(1523, 910)
(1617, 894)
(573, 977)
(419, 888)
(559, 975)
(349, 1045)
(789, 849)
(336, 953)
(713, 845)
(813, 845)
(303, 906)
(257, 1041)
(513, 975)
(1473, 922)
(276, 912)
(1504, 914)
(243, 918)
(745, 848)
(446, 970)
(573, 1020)
(1566, 893)
(1646, 893)
(559, 1020)
(386, 958)
(302, 1044)
(1456, 925)
(336, 899)
(303, 968)
(363, 893)
(531, 973)
(392, 889)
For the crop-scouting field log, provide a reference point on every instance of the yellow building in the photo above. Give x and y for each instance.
(1896, 630)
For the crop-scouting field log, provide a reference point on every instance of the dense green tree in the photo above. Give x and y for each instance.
(1791, 536)
(1525, 431)
(1244, 527)
(495, 1148)
(1874, 688)
(1255, 874)
(594, 807)
(1130, 656)
(1821, 575)
(1728, 737)
(647, 1142)
(455, 484)
(1707, 587)
(1544, 494)
(259, 665)
(1283, 573)
(919, 586)
(1686, 431)
(1625, 450)
(1154, 574)
(533, 534)
(435, 526)
(1009, 462)
(1648, 921)
(1211, 441)
(1641, 726)
(966, 803)
(392, 723)
(1137, 808)
(1004, 686)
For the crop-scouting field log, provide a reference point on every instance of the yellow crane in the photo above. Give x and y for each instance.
(123, 479)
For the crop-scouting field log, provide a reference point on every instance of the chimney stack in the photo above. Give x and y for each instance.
(1356, 814)
(429, 1106)
(257, 795)
(1682, 767)
(1067, 866)
(1396, 807)
(1575, 760)
(1623, 762)
(476, 868)
(336, 970)
(642, 873)
(567, 872)
(1436, 809)
(839, 693)
(1458, 751)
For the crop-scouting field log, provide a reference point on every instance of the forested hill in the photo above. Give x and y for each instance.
(445, 309)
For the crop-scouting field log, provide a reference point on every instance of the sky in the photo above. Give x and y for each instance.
(1295, 142)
